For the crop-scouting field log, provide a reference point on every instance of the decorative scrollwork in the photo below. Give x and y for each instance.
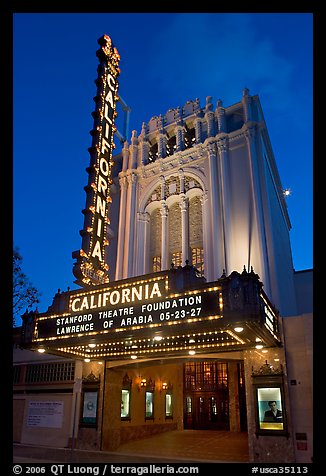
(268, 369)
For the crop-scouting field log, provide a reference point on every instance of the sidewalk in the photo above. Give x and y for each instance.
(169, 447)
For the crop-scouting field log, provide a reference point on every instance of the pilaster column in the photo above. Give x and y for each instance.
(133, 149)
(146, 221)
(234, 405)
(143, 152)
(125, 156)
(221, 118)
(198, 130)
(162, 187)
(246, 102)
(162, 145)
(224, 186)
(76, 399)
(208, 271)
(122, 225)
(217, 236)
(162, 139)
(182, 181)
(179, 137)
(257, 207)
(142, 243)
(179, 131)
(184, 228)
(164, 251)
(130, 225)
(210, 117)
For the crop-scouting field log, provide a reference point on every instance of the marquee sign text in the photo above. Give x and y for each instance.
(127, 306)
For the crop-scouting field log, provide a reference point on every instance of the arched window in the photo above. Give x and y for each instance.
(196, 233)
(155, 241)
(175, 235)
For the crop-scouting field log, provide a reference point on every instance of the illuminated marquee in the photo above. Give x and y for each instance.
(154, 315)
(118, 307)
(91, 267)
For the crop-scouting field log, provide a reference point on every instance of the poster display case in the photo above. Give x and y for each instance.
(270, 408)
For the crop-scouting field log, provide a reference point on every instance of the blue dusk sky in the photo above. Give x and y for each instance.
(166, 60)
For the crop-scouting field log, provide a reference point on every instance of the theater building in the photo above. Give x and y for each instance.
(190, 314)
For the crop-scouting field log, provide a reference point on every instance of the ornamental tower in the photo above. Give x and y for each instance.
(201, 185)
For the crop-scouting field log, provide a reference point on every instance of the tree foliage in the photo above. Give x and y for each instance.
(25, 295)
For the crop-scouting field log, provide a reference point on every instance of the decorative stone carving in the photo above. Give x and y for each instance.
(267, 369)
(91, 378)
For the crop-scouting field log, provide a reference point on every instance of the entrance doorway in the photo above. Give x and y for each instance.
(206, 395)
(205, 411)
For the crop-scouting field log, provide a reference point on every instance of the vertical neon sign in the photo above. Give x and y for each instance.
(91, 267)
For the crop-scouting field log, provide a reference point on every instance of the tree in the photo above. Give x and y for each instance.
(25, 295)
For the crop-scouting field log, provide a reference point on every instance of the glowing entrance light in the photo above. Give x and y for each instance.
(192, 352)
(238, 329)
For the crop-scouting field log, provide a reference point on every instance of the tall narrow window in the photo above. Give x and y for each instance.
(175, 235)
(125, 403)
(156, 264)
(197, 259)
(222, 375)
(189, 404)
(125, 397)
(149, 405)
(155, 241)
(176, 258)
(196, 233)
(168, 405)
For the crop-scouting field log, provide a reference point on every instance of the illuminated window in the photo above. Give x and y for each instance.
(51, 372)
(125, 403)
(197, 259)
(206, 375)
(222, 375)
(125, 397)
(168, 405)
(149, 405)
(189, 404)
(176, 258)
(156, 264)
